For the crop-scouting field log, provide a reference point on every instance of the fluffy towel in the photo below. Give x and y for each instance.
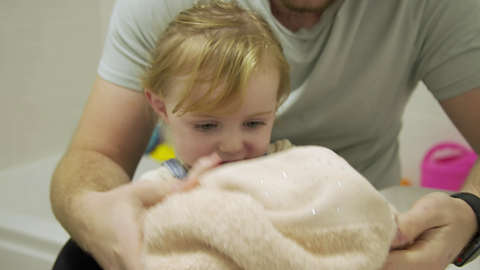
(304, 208)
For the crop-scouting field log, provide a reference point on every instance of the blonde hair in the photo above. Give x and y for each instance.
(215, 42)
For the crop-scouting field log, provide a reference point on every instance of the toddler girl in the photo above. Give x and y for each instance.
(216, 78)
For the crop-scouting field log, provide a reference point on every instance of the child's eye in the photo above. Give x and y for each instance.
(254, 124)
(205, 127)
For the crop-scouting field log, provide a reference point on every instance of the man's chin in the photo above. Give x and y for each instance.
(292, 6)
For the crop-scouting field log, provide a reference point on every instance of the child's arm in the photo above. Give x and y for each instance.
(202, 165)
(161, 174)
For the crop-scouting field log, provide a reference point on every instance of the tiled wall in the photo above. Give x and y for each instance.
(49, 51)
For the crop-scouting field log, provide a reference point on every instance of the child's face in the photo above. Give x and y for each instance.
(244, 134)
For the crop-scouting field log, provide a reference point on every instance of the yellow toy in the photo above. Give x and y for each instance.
(163, 152)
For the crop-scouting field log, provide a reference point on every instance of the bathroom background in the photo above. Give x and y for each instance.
(49, 51)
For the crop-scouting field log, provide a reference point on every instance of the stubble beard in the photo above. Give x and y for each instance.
(318, 9)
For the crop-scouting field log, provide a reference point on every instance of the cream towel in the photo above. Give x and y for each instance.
(303, 208)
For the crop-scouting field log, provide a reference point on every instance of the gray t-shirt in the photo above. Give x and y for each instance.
(351, 74)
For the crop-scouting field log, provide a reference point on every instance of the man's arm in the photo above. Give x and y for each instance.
(87, 194)
(437, 227)
(464, 111)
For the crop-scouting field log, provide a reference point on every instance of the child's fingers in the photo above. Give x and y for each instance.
(202, 165)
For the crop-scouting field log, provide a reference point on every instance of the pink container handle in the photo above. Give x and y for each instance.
(428, 156)
(449, 169)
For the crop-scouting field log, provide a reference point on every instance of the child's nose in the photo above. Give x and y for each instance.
(231, 144)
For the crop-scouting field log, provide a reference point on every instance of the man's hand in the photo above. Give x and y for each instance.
(432, 233)
(116, 222)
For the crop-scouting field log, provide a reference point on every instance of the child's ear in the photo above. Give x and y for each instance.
(157, 104)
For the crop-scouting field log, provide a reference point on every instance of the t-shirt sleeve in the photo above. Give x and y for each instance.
(132, 34)
(449, 56)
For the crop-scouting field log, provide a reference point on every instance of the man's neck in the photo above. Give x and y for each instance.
(294, 20)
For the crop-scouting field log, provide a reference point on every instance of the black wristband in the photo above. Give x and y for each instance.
(472, 249)
(473, 201)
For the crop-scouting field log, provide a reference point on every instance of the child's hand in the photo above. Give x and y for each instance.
(202, 165)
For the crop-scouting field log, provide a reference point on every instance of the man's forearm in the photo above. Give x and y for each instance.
(472, 183)
(79, 174)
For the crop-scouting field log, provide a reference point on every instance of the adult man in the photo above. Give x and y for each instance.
(353, 64)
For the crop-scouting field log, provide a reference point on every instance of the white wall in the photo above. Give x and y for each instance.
(49, 51)
(424, 125)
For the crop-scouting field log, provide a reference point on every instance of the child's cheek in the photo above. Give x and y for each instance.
(256, 149)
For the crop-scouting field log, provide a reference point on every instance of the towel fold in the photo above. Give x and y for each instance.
(304, 208)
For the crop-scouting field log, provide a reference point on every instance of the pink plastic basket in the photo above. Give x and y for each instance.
(446, 166)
